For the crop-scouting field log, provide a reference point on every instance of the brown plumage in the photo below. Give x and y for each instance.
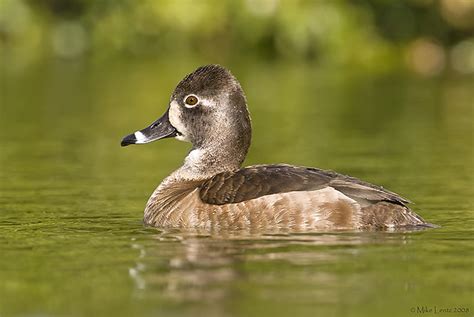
(278, 196)
(255, 181)
(211, 190)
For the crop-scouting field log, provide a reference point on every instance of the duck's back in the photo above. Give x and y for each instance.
(278, 196)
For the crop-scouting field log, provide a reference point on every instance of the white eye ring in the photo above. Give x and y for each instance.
(191, 101)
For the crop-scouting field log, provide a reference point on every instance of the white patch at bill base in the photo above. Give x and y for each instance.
(174, 117)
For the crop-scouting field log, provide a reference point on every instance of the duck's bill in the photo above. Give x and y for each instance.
(159, 129)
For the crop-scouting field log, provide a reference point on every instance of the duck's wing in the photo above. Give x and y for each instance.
(260, 180)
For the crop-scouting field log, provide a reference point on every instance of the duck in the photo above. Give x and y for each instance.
(208, 108)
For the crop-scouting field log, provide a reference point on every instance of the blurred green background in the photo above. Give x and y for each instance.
(377, 89)
(424, 36)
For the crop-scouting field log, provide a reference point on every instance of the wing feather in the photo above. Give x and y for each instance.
(260, 180)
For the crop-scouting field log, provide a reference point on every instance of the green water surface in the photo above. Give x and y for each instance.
(71, 199)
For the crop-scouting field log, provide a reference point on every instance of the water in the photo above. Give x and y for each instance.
(71, 199)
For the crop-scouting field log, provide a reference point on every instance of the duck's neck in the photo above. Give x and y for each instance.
(203, 163)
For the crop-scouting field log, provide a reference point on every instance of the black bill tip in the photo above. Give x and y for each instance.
(129, 139)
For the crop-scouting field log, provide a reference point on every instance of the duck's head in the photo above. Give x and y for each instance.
(208, 108)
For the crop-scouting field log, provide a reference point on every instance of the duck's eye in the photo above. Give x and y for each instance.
(191, 101)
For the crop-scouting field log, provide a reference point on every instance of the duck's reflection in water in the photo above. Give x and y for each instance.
(193, 265)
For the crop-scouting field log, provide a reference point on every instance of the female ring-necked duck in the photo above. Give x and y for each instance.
(208, 108)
